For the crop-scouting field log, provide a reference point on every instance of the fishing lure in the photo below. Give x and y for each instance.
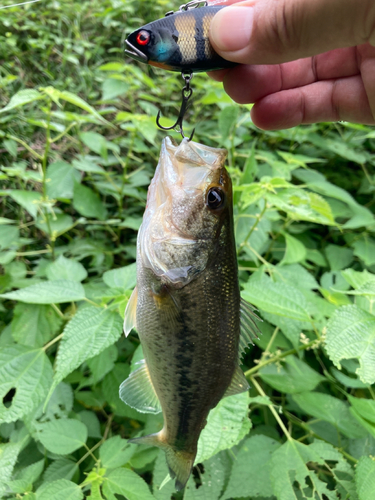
(179, 42)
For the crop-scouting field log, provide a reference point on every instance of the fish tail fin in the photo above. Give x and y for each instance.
(180, 462)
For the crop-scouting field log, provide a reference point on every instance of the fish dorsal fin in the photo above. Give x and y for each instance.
(249, 329)
(138, 392)
(238, 384)
(130, 320)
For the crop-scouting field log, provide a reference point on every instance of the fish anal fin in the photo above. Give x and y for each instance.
(249, 329)
(138, 392)
(180, 462)
(130, 320)
(238, 384)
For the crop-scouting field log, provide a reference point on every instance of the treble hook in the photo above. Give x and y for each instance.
(187, 92)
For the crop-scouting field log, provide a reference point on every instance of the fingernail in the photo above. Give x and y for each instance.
(231, 28)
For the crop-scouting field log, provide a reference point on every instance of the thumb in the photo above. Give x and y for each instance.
(276, 31)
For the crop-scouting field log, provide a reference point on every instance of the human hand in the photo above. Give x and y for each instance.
(303, 61)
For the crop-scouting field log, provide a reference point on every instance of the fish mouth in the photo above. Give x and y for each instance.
(135, 53)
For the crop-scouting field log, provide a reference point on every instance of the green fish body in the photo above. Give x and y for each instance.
(186, 306)
(178, 42)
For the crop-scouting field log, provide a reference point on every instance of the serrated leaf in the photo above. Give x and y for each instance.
(227, 424)
(34, 325)
(90, 331)
(62, 489)
(49, 292)
(357, 279)
(295, 250)
(279, 299)
(66, 269)
(330, 409)
(365, 250)
(9, 236)
(295, 275)
(365, 478)
(60, 177)
(293, 377)
(338, 257)
(212, 480)
(115, 452)
(29, 372)
(62, 436)
(251, 469)
(124, 278)
(21, 98)
(127, 483)
(8, 458)
(88, 203)
(29, 200)
(26, 477)
(351, 334)
(289, 468)
(62, 468)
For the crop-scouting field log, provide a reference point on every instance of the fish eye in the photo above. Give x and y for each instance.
(143, 37)
(215, 198)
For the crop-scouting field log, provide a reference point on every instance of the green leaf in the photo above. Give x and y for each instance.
(279, 299)
(227, 424)
(115, 452)
(96, 143)
(49, 292)
(365, 250)
(251, 469)
(227, 120)
(351, 334)
(127, 483)
(62, 436)
(60, 179)
(29, 372)
(113, 88)
(88, 203)
(330, 409)
(365, 407)
(90, 331)
(293, 377)
(289, 469)
(295, 275)
(62, 489)
(338, 257)
(66, 269)
(124, 278)
(29, 200)
(357, 279)
(212, 480)
(295, 250)
(21, 98)
(8, 458)
(34, 325)
(9, 236)
(26, 477)
(62, 468)
(365, 478)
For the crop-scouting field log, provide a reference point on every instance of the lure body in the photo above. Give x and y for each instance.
(186, 307)
(178, 42)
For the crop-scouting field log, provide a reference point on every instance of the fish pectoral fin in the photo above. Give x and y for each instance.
(138, 391)
(130, 319)
(249, 329)
(238, 384)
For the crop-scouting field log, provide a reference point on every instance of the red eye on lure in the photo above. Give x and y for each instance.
(143, 37)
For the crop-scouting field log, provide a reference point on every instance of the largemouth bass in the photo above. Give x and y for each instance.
(186, 306)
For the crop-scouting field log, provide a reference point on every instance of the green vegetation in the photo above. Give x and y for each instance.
(79, 146)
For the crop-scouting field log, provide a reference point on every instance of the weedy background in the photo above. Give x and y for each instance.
(78, 148)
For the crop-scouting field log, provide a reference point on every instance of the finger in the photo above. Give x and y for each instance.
(343, 99)
(218, 75)
(248, 83)
(275, 31)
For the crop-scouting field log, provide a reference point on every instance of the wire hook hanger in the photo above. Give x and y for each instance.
(187, 92)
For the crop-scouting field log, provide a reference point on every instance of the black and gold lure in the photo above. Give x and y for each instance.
(178, 42)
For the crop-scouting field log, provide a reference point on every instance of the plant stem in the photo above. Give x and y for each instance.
(53, 341)
(274, 359)
(269, 345)
(106, 432)
(274, 412)
(258, 219)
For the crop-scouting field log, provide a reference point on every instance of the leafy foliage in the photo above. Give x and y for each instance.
(79, 146)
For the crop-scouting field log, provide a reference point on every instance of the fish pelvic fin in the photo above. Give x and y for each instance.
(130, 319)
(180, 462)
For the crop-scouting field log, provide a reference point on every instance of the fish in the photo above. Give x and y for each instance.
(187, 309)
(178, 42)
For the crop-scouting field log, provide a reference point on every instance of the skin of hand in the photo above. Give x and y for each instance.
(303, 61)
